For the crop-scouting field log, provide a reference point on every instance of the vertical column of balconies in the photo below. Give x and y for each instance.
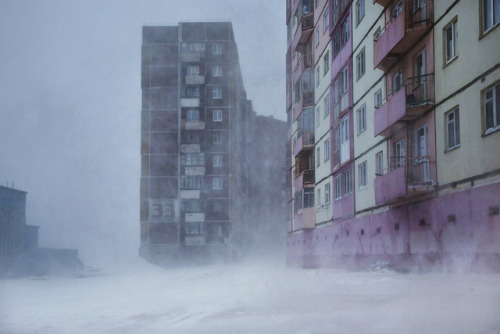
(403, 48)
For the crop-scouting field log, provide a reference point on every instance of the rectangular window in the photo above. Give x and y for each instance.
(326, 63)
(492, 109)
(336, 45)
(192, 182)
(217, 115)
(360, 63)
(317, 117)
(217, 48)
(317, 76)
(308, 197)
(399, 154)
(193, 70)
(217, 183)
(345, 32)
(326, 148)
(193, 115)
(379, 163)
(345, 80)
(217, 138)
(344, 140)
(327, 193)
(362, 175)
(217, 93)
(217, 70)
(326, 20)
(452, 129)
(397, 81)
(193, 159)
(317, 36)
(192, 91)
(318, 196)
(217, 160)
(361, 116)
(450, 41)
(348, 181)
(378, 98)
(318, 156)
(326, 104)
(338, 186)
(491, 13)
(360, 10)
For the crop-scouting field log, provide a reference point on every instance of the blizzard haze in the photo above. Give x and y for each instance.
(70, 105)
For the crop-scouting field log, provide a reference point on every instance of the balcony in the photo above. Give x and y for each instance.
(193, 102)
(195, 79)
(194, 171)
(406, 104)
(305, 141)
(406, 177)
(408, 23)
(307, 99)
(383, 3)
(193, 125)
(305, 219)
(308, 177)
(304, 32)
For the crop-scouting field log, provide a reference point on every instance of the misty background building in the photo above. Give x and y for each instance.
(196, 135)
(20, 253)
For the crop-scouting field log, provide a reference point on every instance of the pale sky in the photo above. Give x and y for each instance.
(70, 106)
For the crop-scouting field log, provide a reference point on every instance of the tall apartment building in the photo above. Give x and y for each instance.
(194, 139)
(413, 134)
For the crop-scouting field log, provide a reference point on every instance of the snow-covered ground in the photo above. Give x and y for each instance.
(254, 297)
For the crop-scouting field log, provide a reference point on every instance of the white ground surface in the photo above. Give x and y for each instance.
(255, 297)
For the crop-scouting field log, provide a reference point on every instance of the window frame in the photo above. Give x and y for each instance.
(217, 115)
(318, 157)
(379, 163)
(495, 89)
(348, 181)
(360, 11)
(338, 187)
(362, 174)
(217, 93)
(217, 73)
(217, 48)
(328, 194)
(453, 26)
(326, 63)
(217, 183)
(376, 96)
(190, 113)
(217, 160)
(455, 122)
(361, 119)
(326, 148)
(217, 138)
(326, 105)
(326, 19)
(484, 30)
(360, 64)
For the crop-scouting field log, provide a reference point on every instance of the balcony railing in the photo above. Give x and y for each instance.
(308, 176)
(420, 91)
(417, 169)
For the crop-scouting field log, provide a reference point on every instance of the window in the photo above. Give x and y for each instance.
(217, 115)
(420, 67)
(192, 182)
(362, 175)
(318, 196)
(326, 63)
(193, 115)
(193, 159)
(399, 154)
(492, 109)
(193, 70)
(378, 98)
(338, 186)
(491, 13)
(452, 129)
(336, 45)
(345, 32)
(344, 140)
(450, 41)
(397, 81)
(217, 207)
(379, 163)
(217, 70)
(326, 104)
(192, 91)
(317, 36)
(348, 181)
(317, 76)
(217, 183)
(398, 9)
(318, 156)
(345, 80)
(317, 117)
(316, 3)
(360, 10)
(326, 148)
(327, 193)
(217, 138)
(217, 48)
(361, 116)
(217, 160)
(326, 20)
(360, 63)
(308, 198)
(217, 93)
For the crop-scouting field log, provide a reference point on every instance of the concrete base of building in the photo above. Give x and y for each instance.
(171, 256)
(457, 231)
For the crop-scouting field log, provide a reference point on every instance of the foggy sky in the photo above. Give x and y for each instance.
(70, 106)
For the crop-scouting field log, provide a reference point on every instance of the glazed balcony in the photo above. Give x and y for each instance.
(406, 104)
(304, 32)
(304, 142)
(406, 177)
(305, 219)
(307, 99)
(403, 30)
